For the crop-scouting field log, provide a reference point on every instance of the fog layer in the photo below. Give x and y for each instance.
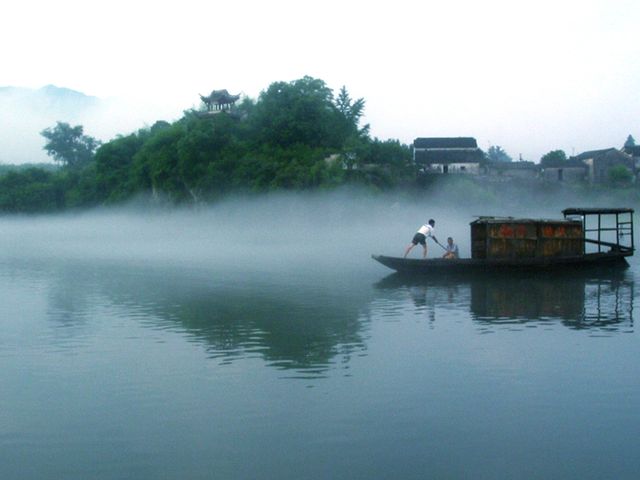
(286, 232)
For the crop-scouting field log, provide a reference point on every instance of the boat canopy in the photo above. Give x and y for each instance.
(606, 227)
(595, 211)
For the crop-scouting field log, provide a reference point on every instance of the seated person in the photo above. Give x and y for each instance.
(451, 249)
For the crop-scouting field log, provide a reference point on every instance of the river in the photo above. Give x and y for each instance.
(194, 346)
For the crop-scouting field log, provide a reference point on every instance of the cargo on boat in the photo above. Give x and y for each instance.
(585, 237)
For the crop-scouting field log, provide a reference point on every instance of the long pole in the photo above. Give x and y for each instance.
(443, 247)
(599, 217)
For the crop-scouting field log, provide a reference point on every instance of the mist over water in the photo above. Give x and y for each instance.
(256, 338)
(279, 230)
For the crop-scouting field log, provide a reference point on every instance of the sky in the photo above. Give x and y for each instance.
(529, 76)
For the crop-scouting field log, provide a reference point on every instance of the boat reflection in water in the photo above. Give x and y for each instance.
(578, 300)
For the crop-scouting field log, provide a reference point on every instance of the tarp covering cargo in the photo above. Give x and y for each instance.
(493, 237)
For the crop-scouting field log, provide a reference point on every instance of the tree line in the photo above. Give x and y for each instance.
(297, 135)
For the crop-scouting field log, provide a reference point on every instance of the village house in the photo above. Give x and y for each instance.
(447, 155)
(441, 155)
(569, 171)
(634, 151)
(523, 170)
(599, 162)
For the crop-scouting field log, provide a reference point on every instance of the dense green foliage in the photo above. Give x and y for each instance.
(554, 157)
(48, 167)
(69, 145)
(295, 136)
(30, 190)
(620, 176)
(496, 153)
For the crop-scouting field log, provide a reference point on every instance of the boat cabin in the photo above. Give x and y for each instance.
(495, 237)
(582, 231)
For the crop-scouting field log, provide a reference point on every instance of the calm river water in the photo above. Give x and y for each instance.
(262, 359)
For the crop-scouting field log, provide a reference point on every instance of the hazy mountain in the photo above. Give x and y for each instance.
(49, 99)
(25, 112)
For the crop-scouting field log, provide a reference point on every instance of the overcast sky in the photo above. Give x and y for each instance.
(530, 76)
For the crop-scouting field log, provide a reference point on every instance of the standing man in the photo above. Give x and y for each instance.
(421, 237)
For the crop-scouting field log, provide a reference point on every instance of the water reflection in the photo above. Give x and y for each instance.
(578, 300)
(306, 326)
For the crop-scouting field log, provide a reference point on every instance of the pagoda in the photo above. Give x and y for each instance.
(219, 100)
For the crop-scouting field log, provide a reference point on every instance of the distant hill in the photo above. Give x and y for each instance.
(25, 112)
(48, 98)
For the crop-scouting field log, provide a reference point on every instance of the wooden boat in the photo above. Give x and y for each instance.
(432, 265)
(500, 244)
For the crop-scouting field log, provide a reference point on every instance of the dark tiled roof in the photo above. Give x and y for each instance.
(449, 156)
(572, 162)
(610, 157)
(594, 153)
(445, 142)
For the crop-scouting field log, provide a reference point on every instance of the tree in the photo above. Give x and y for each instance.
(352, 112)
(68, 145)
(114, 160)
(299, 112)
(354, 139)
(631, 142)
(155, 165)
(497, 154)
(554, 157)
(29, 190)
(208, 153)
(385, 164)
(619, 176)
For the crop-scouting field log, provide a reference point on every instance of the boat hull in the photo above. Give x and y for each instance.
(463, 265)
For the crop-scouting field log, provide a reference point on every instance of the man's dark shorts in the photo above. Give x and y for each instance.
(419, 238)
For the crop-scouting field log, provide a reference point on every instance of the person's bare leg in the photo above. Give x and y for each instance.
(424, 255)
(408, 249)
